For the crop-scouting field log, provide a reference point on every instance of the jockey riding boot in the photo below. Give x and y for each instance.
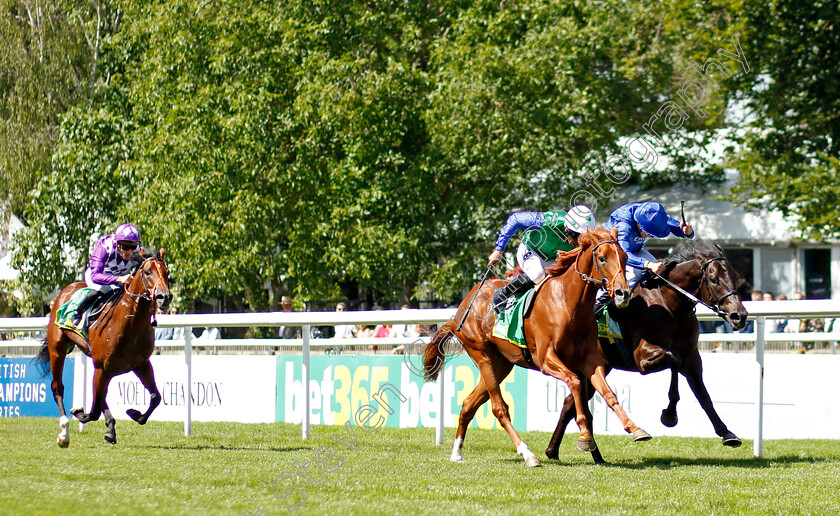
(86, 303)
(514, 287)
(602, 301)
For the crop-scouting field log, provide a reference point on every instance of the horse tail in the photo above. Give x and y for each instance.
(43, 358)
(434, 352)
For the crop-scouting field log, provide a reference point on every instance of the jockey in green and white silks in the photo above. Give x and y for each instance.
(547, 233)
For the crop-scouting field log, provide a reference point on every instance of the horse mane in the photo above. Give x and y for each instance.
(689, 250)
(566, 259)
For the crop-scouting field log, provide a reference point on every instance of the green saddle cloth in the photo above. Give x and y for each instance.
(510, 323)
(67, 312)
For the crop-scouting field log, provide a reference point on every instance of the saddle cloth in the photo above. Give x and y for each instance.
(609, 335)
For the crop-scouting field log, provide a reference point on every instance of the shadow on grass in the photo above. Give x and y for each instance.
(678, 462)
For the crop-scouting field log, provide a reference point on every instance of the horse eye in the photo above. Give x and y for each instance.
(714, 280)
(603, 259)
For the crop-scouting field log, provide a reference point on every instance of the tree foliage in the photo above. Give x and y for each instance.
(307, 146)
(788, 159)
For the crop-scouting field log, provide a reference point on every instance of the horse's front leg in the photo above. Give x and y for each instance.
(693, 372)
(553, 366)
(599, 381)
(146, 375)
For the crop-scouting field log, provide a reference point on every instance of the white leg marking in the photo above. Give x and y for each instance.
(456, 450)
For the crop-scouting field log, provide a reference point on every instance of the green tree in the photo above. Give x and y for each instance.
(788, 155)
(306, 145)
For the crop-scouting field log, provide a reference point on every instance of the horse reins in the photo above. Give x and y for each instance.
(607, 284)
(715, 306)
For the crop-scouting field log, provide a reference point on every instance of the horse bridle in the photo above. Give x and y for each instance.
(148, 292)
(715, 303)
(607, 284)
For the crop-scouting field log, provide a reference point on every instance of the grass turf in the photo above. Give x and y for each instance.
(229, 468)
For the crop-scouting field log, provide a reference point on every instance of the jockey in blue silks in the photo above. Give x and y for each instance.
(636, 223)
(547, 233)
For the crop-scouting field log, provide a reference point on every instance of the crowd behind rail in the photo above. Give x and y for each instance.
(379, 338)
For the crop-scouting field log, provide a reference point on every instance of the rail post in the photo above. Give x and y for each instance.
(188, 387)
(305, 363)
(759, 357)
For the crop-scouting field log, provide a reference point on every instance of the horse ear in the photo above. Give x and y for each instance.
(614, 233)
(161, 252)
(720, 249)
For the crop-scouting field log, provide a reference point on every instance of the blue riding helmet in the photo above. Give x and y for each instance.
(652, 219)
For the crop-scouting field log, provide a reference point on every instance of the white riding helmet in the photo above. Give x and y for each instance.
(580, 219)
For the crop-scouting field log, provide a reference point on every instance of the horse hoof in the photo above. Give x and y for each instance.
(640, 435)
(459, 460)
(552, 453)
(731, 440)
(134, 414)
(532, 462)
(62, 444)
(586, 445)
(111, 438)
(668, 420)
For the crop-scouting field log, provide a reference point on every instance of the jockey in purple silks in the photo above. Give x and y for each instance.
(110, 265)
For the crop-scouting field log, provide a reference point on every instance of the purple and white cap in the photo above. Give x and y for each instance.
(127, 232)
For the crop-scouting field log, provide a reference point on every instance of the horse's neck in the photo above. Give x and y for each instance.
(573, 285)
(685, 275)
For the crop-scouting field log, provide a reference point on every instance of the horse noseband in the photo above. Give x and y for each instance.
(715, 303)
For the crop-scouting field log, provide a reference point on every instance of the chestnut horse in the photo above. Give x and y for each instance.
(561, 334)
(660, 330)
(121, 340)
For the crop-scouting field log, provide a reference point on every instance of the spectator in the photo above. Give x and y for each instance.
(756, 295)
(210, 334)
(170, 333)
(362, 331)
(804, 326)
(343, 331)
(781, 324)
(404, 330)
(383, 331)
(288, 332)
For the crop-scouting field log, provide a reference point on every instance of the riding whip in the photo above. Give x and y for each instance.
(483, 279)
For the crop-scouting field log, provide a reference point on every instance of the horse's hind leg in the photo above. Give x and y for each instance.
(471, 404)
(110, 425)
(100, 391)
(57, 368)
(494, 369)
(146, 375)
(669, 414)
(693, 372)
(566, 415)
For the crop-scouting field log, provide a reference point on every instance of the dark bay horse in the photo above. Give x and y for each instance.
(561, 334)
(660, 330)
(121, 340)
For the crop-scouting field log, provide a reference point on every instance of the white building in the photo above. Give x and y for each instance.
(761, 246)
